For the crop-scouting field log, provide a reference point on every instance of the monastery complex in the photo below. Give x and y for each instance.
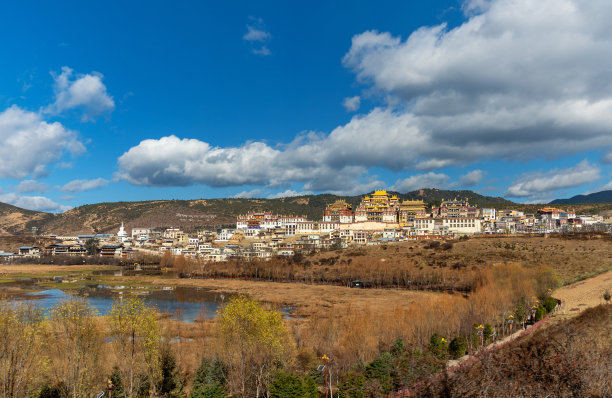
(377, 212)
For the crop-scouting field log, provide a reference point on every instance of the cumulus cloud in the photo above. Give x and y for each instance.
(351, 104)
(255, 193)
(30, 186)
(471, 178)
(257, 36)
(171, 161)
(84, 185)
(38, 203)
(540, 184)
(517, 80)
(607, 158)
(29, 144)
(428, 180)
(84, 91)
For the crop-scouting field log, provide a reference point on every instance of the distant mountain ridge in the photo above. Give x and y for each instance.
(191, 214)
(596, 197)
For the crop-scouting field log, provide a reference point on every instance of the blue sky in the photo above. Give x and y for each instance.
(154, 100)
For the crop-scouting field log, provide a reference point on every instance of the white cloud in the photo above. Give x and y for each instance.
(84, 185)
(471, 178)
(540, 184)
(428, 180)
(351, 104)
(607, 158)
(606, 187)
(29, 144)
(257, 36)
(288, 194)
(255, 193)
(358, 188)
(30, 186)
(518, 80)
(263, 50)
(38, 203)
(85, 92)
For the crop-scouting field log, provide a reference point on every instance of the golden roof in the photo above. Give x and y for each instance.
(413, 203)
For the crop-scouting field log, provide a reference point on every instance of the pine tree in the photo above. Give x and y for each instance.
(209, 380)
(287, 385)
(170, 385)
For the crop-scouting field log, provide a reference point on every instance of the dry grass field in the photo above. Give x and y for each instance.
(571, 258)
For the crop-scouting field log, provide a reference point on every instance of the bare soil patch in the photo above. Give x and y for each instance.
(584, 294)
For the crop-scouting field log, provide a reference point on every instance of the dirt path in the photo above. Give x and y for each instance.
(584, 294)
(575, 298)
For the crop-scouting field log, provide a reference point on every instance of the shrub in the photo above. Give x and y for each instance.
(51, 391)
(540, 312)
(438, 346)
(549, 304)
(457, 347)
(209, 379)
(287, 385)
(433, 245)
(170, 385)
(488, 331)
(117, 379)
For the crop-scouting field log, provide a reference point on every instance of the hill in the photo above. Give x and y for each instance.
(15, 220)
(596, 197)
(566, 359)
(191, 214)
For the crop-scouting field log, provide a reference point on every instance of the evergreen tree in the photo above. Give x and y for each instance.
(437, 346)
(209, 379)
(399, 347)
(170, 385)
(91, 245)
(51, 391)
(117, 380)
(287, 385)
(488, 332)
(457, 347)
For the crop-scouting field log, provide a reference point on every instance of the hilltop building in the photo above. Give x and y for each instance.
(409, 210)
(555, 214)
(340, 212)
(378, 207)
(253, 223)
(455, 208)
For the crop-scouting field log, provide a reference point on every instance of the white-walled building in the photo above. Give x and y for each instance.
(141, 233)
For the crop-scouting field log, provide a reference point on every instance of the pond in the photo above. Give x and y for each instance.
(186, 304)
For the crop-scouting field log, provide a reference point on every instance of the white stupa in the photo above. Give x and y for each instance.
(121, 235)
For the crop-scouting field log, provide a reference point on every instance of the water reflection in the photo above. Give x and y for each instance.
(186, 304)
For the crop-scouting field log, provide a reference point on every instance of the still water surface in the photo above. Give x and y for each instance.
(186, 304)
